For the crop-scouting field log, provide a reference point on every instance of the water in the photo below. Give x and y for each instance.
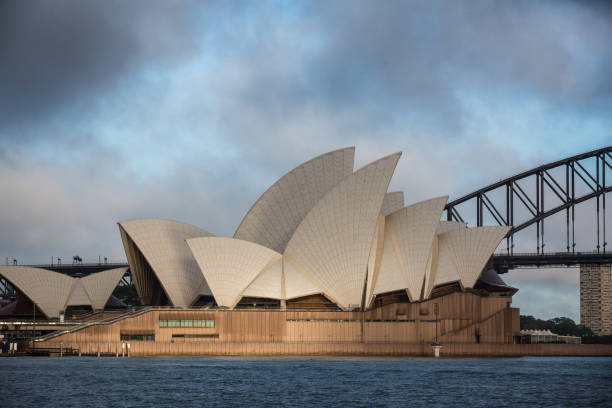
(339, 382)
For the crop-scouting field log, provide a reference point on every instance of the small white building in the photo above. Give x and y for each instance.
(546, 336)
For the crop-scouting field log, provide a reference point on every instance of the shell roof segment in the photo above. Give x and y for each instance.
(268, 283)
(409, 236)
(274, 217)
(471, 248)
(296, 283)
(162, 243)
(332, 243)
(52, 291)
(230, 265)
(47, 289)
(413, 229)
(100, 285)
(393, 201)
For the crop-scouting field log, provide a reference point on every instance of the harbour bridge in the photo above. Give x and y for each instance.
(535, 198)
(532, 198)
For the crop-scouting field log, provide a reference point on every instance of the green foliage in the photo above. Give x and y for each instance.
(127, 294)
(564, 326)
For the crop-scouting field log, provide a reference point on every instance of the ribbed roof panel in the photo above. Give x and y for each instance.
(471, 248)
(331, 245)
(100, 286)
(230, 265)
(162, 242)
(47, 289)
(274, 217)
(393, 201)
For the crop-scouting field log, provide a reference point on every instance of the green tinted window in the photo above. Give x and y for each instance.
(187, 323)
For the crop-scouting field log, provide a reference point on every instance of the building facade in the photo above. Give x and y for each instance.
(327, 261)
(596, 298)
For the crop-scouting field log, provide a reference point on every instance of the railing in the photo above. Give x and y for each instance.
(110, 265)
(131, 313)
(558, 253)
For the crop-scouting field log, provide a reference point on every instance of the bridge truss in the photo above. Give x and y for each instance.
(570, 181)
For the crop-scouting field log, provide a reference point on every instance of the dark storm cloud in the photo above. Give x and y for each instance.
(414, 50)
(400, 69)
(56, 53)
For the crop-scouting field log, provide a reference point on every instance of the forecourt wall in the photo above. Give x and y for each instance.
(400, 329)
(394, 329)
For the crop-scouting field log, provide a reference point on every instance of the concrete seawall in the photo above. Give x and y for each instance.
(154, 349)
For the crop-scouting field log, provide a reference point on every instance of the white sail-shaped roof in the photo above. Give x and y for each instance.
(53, 292)
(78, 296)
(296, 284)
(276, 214)
(393, 201)
(438, 262)
(100, 286)
(230, 265)
(331, 245)
(431, 268)
(446, 270)
(471, 248)
(374, 259)
(162, 243)
(446, 226)
(409, 235)
(268, 283)
(48, 290)
(391, 275)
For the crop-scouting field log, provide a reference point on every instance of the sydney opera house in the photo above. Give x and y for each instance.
(325, 261)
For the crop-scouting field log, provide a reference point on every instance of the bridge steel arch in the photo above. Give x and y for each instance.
(564, 188)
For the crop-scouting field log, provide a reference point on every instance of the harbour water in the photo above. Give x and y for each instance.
(295, 382)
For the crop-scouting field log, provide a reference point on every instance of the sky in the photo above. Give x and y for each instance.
(189, 110)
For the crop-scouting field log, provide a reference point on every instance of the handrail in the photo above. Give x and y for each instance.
(549, 254)
(89, 324)
(111, 265)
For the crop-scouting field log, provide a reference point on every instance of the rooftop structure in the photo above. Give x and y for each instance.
(322, 229)
(53, 292)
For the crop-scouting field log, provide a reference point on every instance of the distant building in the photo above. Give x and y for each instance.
(596, 298)
(546, 336)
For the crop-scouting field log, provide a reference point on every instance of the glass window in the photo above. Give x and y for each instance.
(137, 337)
(187, 323)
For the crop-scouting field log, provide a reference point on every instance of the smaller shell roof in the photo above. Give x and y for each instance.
(52, 292)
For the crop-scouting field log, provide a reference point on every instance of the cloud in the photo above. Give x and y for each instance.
(49, 210)
(55, 54)
(189, 110)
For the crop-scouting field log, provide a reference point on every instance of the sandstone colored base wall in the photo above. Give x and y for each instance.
(462, 318)
(158, 349)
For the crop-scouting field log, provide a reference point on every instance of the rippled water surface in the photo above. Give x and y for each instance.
(239, 382)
